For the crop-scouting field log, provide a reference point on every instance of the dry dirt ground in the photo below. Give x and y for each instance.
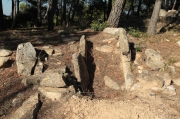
(105, 102)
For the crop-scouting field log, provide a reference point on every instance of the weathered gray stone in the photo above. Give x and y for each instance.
(113, 31)
(46, 79)
(28, 110)
(162, 13)
(83, 47)
(104, 48)
(124, 43)
(154, 59)
(25, 58)
(54, 94)
(125, 58)
(149, 80)
(3, 61)
(80, 70)
(110, 83)
(5, 53)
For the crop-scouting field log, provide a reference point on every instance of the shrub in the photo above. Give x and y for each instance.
(98, 26)
(135, 32)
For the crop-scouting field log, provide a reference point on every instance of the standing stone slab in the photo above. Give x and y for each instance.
(25, 58)
(80, 70)
(83, 47)
(29, 109)
(124, 43)
(154, 59)
(125, 58)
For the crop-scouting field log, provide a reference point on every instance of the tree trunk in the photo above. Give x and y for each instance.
(51, 11)
(64, 14)
(153, 21)
(13, 14)
(109, 7)
(39, 21)
(76, 3)
(175, 1)
(139, 7)
(114, 16)
(18, 6)
(132, 2)
(1, 17)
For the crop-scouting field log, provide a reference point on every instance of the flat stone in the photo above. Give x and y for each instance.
(110, 83)
(29, 109)
(53, 94)
(55, 80)
(178, 43)
(154, 59)
(113, 31)
(5, 53)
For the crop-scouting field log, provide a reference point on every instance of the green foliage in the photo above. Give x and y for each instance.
(138, 47)
(135, 32)
(98, 26)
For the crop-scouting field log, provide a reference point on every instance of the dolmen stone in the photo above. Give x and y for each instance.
(25, 58)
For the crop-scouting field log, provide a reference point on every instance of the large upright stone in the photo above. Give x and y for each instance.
(124, 43)
(125, 58)
(80, 70)
(154, 59)
(83, 47)
(25, 58)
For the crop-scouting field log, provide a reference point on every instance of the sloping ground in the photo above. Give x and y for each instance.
(106, 103)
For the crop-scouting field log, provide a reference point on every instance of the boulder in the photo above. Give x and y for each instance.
(73, 48)
(25, 58)
(113, 31)
(28, 110)
(80, 69)
(110, 83)
(46, 79)
(53, 94)
(154, 59)
(5, 53)
(162, 13)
